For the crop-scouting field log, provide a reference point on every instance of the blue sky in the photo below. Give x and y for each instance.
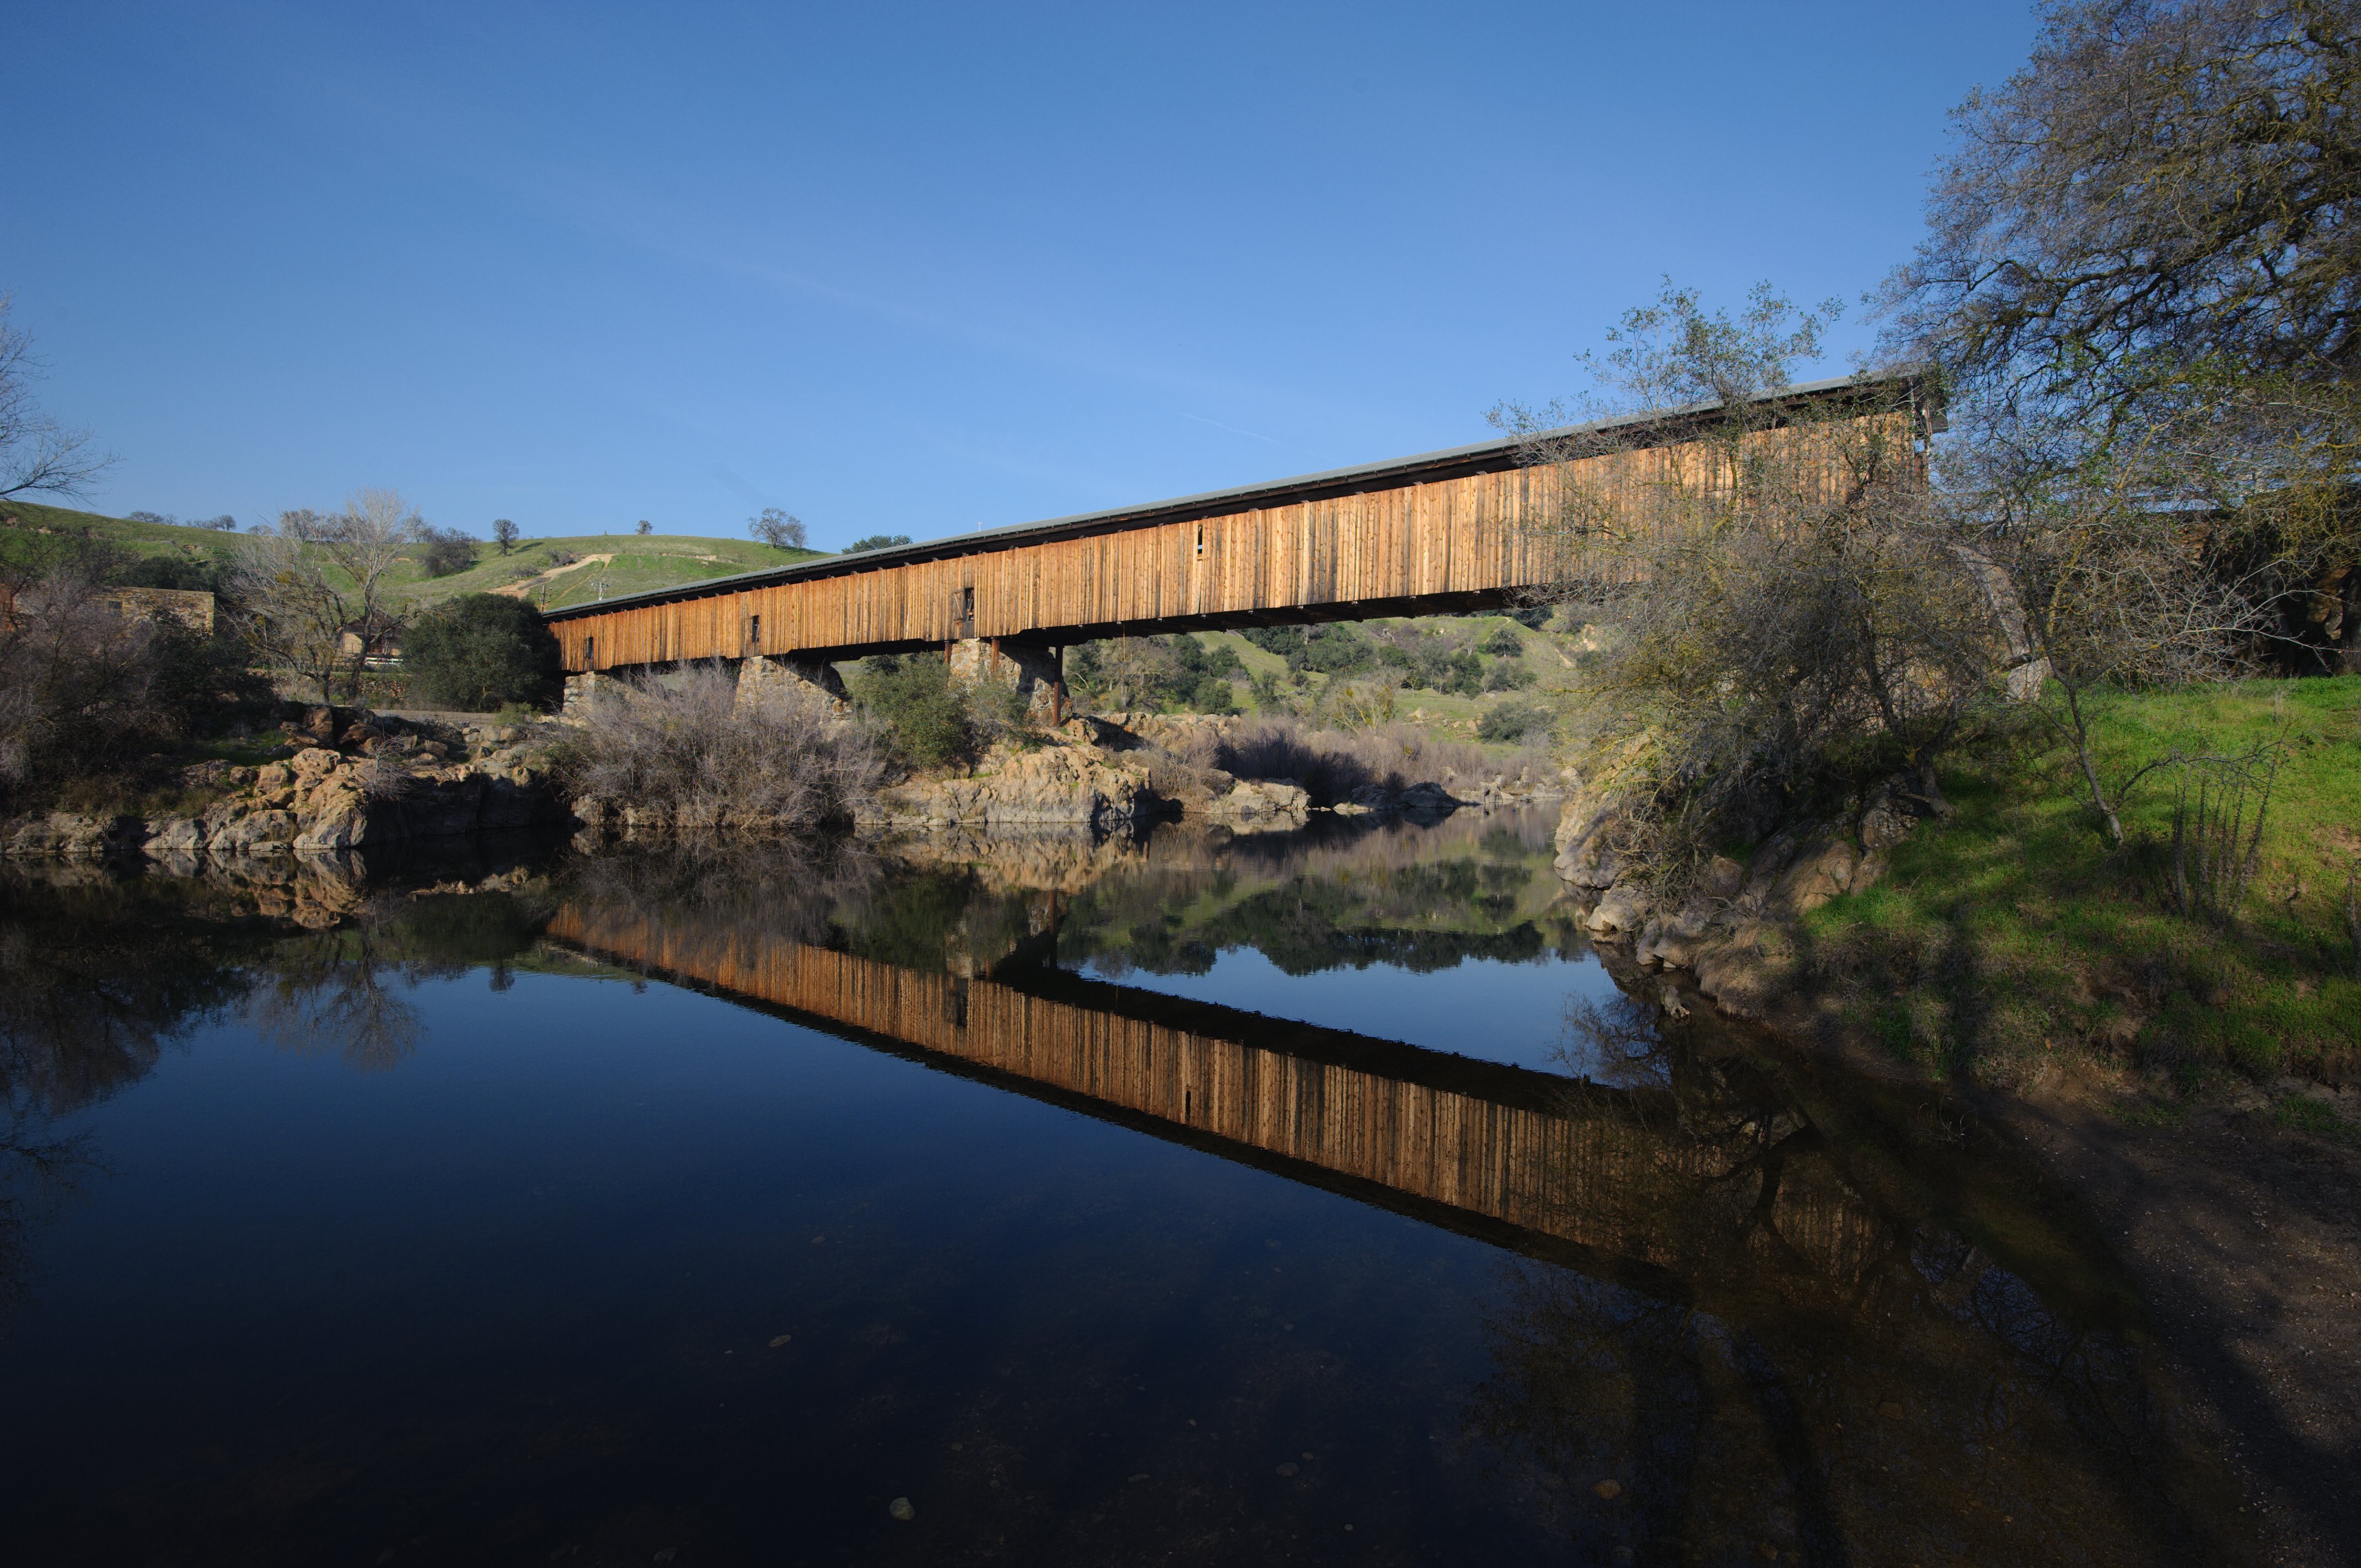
(905, 269)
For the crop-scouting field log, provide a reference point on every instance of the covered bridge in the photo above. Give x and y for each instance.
(1440, 533)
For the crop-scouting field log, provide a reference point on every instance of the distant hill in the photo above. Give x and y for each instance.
(31, 533)
(565, 570)
(575, 569)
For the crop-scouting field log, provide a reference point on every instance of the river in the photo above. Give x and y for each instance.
(1319, 1197)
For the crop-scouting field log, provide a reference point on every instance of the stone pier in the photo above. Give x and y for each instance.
(1038, 672)
(761, 672)
(581, 691)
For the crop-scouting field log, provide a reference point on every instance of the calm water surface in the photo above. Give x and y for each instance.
(1304, 1199)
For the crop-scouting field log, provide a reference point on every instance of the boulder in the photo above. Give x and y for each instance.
(1745, 972)
(1674, 939)
(251, 832)
(70, 835)
(1429, 803)
(1723, 879)
(1055, 785)
(1619, 909)
(180, 835)
(1270, 805)
(1821, 869)
(1586, 854)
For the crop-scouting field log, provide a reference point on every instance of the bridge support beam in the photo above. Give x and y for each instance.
(1036, 672)
(760, 672)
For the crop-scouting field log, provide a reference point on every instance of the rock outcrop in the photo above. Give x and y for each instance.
(1068, 783)
(365, 781)
(1736, 927)
(1091, 773)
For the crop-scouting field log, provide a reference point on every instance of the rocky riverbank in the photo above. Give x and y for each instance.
(349, 780)
(1732, 932)
(1121, 770)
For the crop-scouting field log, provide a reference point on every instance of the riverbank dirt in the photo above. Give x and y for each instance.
(2245, 1236)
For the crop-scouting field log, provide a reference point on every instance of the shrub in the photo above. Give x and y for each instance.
(1214, 695)
(1337, 649)
(923, 711)
(688, 750)
(877, 541)
(1518, 718)
(1502, 644)
(445, 551)
(479, 652)
(1433, 663)
(1123, 673)
(85, 689)
(1508, 677)
(1331, 765)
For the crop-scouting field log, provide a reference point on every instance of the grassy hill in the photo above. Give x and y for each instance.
(576, 568)
(554, 572)
(34, 534)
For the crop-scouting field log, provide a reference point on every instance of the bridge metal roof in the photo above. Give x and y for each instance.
(1482, 456)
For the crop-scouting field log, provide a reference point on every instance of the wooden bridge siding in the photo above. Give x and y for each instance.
(1440, 537)
(1536, 1169)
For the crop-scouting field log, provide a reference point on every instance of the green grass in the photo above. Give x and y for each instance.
(1446, 713)
(2305, 1114)
(2014, 931)
(29, 533)
(639, 563)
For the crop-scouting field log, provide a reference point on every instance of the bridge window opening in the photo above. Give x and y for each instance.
(1201, 539)
(754, 633)
(590, 653)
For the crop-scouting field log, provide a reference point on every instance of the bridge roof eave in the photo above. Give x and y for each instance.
(1500, 454)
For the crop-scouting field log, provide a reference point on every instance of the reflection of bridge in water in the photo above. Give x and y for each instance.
(1489, 1145)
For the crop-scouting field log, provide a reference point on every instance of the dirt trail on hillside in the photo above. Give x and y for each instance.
(524, 586)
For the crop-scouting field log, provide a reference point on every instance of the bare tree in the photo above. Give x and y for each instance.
(2166, 184)
(2142, 281)
(504, 534)
(37, 455)
(2101, 573)
(1789, 613)
(312, 580)
(779, 530)
(76, 674)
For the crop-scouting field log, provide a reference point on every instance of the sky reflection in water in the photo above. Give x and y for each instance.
(444, 1230)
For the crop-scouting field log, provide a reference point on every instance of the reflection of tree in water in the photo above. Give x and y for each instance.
(94, 979)
(339, 989)
(331, 992)
(1890, 1394)
(99, 972)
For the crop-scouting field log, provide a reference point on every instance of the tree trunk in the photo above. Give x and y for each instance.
(2090, 771)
